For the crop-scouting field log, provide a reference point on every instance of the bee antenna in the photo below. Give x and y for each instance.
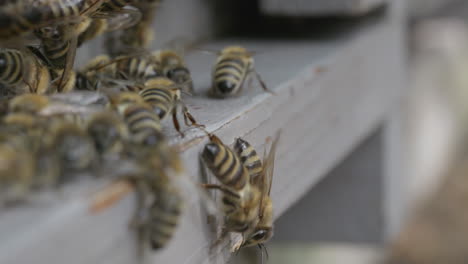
(260, 246)
(266, 252)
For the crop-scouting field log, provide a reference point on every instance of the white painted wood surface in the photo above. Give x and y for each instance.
(319, 7)
(330, 94)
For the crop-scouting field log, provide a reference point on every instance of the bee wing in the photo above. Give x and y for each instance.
(268, 166)
(82, 98)
(103, 65)
(92, 7)
(125, 18)
(179, 45)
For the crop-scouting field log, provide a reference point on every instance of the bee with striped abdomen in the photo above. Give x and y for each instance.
(164, 96)
(263, 231)
(173, 67)
(144, 125)
(122, 101)
(164, 215)
(22, 133)
(22, 71)
(240, 199)
(245, 187)
(233, 67)
(159, 206)
(135, 69)
(22, 16)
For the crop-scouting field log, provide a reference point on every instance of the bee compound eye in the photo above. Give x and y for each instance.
(259, 235)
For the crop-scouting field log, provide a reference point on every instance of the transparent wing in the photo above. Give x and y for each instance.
(267, 173)
(122, 19)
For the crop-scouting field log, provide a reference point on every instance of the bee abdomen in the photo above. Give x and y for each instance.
(136, 68)
(225, 165)
(11, 67)
(228, 76)
(248, 157)
(166, 212)
(143, 125)
(160, 100)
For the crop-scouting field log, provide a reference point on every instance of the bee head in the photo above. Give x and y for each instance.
(260, 235)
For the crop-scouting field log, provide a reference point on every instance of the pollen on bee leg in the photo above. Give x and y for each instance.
(109, 195)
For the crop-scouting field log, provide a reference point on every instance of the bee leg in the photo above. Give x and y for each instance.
(262, 83)
(215, 139)
(176, 123)
(188, 116)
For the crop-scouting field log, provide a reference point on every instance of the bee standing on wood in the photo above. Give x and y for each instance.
(233, 67)
(173, 67)
(245, 187)
(133, 70)
(164, 96)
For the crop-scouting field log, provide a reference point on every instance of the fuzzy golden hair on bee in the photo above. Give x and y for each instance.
(30, 103)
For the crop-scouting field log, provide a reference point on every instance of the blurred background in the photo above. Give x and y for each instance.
(435, 109)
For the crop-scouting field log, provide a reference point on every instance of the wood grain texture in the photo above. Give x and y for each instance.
(319, 8)
(330, 94)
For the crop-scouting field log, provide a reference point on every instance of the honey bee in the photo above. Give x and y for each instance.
(163, 215)
(122, 101)
(144, 126)
(108, 132)
(164, 96)
(53, 21)
(246, 190)
(137, 37)
(105, 20)
(56, 23)
(126, 67)
(174, 68)
(233, 67)
(22, 71)
(22, 16)
(73, 146)
(22, 133)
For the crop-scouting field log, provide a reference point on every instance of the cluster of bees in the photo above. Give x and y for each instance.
(58, 122)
